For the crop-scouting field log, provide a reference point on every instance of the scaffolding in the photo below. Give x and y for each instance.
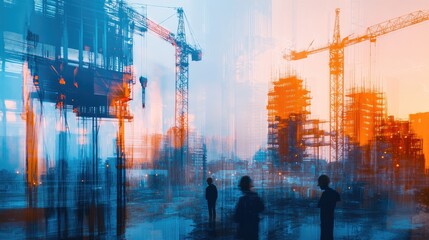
(397, 159)
(79, 56)
(288, 103)
(315, 140)
(365, 110)
(364, 113)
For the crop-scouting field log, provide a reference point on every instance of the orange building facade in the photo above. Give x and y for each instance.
(288, 103)
(365, 110)
(420, 126)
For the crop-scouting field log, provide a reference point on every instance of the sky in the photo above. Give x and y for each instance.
(243, 42)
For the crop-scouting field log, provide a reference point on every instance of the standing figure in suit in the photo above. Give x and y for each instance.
(327, 203)
(211, 197)
(247, 211)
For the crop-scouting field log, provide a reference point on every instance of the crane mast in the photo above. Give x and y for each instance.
(336, 93)
(336, 66)
(183, 50)
(181, 104)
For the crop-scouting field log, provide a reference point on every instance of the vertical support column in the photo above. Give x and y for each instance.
(31, 171)
(62, 167)
(121, 170)
(3, 125)
(96, 41)
(31, 135)
(31, 160)
(94, 157)
(105, 57)
(2, 57)
(31, 142)
(65, 40)
(81, 40)
(2, 78)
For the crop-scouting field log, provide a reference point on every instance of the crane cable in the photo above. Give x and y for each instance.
(190, 31)
(151, 5)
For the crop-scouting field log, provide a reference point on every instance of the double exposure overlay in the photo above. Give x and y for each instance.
(248, 119)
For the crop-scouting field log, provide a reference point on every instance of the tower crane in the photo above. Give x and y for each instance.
(336, 69)
(183, 50)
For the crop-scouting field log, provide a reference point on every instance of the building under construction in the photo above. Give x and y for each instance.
(365, 110)
(420, 126)
(397, 159)
(382, 151)
(74, 57)
(288, 103)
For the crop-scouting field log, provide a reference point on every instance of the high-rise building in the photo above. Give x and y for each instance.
(365, 109)
(288, 103)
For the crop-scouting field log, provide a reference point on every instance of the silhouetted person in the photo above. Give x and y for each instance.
(211, 197)
(327, 203)
(247, 211)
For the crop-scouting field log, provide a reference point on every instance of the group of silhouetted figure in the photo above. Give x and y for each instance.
(250, 205)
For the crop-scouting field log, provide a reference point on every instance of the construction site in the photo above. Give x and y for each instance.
(101, 140)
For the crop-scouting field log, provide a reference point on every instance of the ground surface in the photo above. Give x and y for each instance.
(182, 214)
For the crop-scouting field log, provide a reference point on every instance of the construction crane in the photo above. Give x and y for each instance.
(183, 50)
(336, 66)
